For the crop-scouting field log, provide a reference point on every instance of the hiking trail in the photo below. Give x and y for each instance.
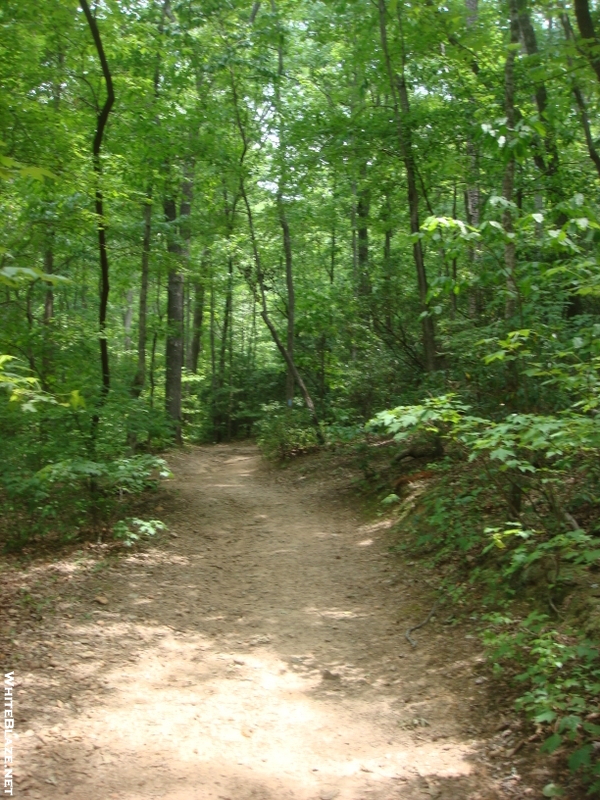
(256, 651)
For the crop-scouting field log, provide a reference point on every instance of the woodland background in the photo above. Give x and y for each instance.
(279, 219)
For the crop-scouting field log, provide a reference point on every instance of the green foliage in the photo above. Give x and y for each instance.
(535, 462)
(68, 496)
(285, 432)
(131, 530)
(562, 682)
(273, 141)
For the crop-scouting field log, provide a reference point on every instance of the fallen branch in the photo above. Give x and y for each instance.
(420, 625)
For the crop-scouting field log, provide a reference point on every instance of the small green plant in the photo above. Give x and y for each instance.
(561, 678)
(65, 496)
(131, 530)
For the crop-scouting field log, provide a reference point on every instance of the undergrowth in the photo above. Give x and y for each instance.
(504, 514)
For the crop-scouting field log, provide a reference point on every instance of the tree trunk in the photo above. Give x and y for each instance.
(196, 332)
(363, 207)
(49, 298)
(178, 247)
(472, 193)
(259, 277)
(174, 344)
(401, 107)
(101, 223)
(590, 46)
(548, 165)
(580, 101)
(140, 375)
(128, 319)
(285, 228)
(387, 276)
(509, 171)
(291, 297)
(226, 322)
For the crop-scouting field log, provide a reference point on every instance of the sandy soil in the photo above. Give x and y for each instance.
(257, 653)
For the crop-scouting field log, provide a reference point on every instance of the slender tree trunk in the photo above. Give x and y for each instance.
(509, 171)
(213, 357)
(291, 298)
(283, 221)
(387, 260)
(139, 379)
(267, 319)
(258, 276)
(590, 44)
(196, 332)
(46, 361)
(174, 344)
(353, 211)
(332, 254)
(472, 193)
(363, 207)
(226, 322)
(153, 367)
(550, 163)
(580, 101)
(453, 297)
(101, 222)
(401, 106)
(140, 375)
(128, 319)
(49, 269)
(178, 247)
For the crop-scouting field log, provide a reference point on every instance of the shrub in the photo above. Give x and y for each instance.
(285, 432)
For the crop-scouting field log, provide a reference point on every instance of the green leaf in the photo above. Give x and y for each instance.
(545, 716)
(580, 758)
(551, 744)
(552, 790)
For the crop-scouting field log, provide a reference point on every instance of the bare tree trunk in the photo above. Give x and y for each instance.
(140, 375)
(453, 303)
(267, 320)
(291, 297)
(46, 361)
(472, 193)
(100, 219)
(285, 228)
(178, 247)
(509, 171)
(590, 44)
(387, 250)
(213, 357)
(363, 207)
(550, 164)
(401, 107)
(49, 298)
(174, 345)
(579, 99)
(258, 267)
(139, 379)
(354, 236)
(128, 319)
(226, 322)
(196, 332)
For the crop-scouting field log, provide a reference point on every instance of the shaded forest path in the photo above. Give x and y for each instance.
(259, 653)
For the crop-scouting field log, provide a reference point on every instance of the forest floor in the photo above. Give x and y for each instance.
(256, 651)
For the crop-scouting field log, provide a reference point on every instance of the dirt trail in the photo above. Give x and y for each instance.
(260, 654)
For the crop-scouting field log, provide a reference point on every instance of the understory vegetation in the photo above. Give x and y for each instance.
(319, 223)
